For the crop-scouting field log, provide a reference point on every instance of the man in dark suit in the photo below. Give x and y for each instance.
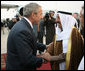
(21, 44)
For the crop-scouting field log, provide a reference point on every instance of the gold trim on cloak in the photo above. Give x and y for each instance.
(73, 60)
(68, 54)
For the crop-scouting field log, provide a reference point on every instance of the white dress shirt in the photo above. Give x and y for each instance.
(29, 22)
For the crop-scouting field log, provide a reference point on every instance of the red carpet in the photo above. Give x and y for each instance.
(45, 67)
(3, 63)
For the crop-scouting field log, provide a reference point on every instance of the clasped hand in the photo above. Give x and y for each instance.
(48, 57)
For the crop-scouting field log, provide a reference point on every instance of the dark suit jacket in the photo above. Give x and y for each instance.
(22, 47)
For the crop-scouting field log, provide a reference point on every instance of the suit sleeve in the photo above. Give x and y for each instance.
(23, 44)
(41, 46)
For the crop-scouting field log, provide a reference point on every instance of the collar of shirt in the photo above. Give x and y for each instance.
(29, 22)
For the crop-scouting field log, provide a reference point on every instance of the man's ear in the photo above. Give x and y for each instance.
(33, 15)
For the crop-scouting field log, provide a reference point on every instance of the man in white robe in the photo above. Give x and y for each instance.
(63, 31)
(67, 22)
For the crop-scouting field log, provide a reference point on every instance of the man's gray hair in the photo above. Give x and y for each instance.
(29, 8)
(83, 10)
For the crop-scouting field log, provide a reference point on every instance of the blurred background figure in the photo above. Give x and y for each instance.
(49, 23)
(82, 21)
(2, 26)
(41, 31)
(76, 16)
(12, 22)
(7, 22)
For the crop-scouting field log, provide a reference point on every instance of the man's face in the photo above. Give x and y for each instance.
(75, 16)
(81, 19)
(58, 21)
(38, 16)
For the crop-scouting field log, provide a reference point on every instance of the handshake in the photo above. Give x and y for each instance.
(60, 58)
(47, 57)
